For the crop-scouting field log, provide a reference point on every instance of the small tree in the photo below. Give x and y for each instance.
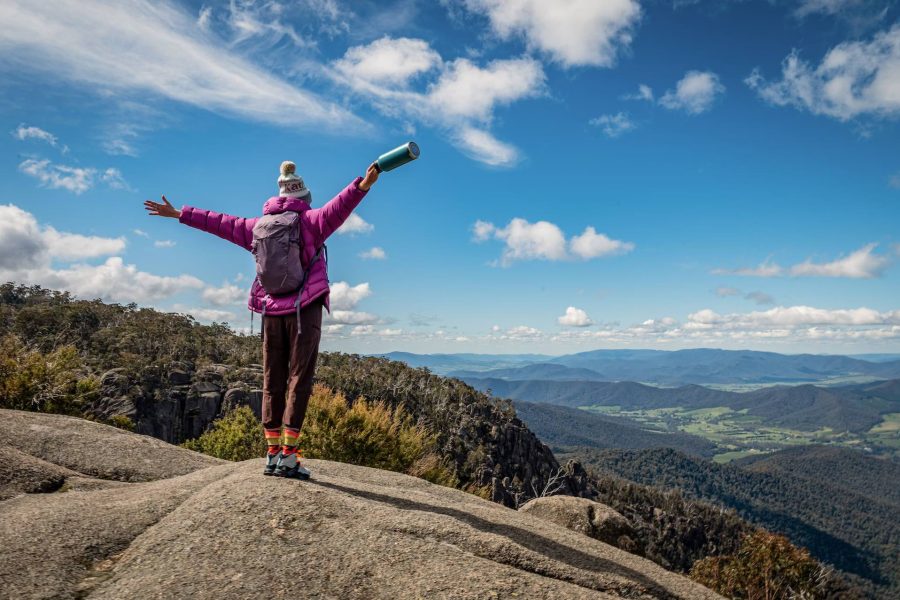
(236, 436)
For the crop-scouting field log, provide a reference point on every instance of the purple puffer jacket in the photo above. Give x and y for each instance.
(316, 225)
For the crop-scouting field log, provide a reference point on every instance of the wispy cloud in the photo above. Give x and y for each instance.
(137, 47)
(74, 179)
(614, 125)
(860, 264)
(29, 132)
(375, 253)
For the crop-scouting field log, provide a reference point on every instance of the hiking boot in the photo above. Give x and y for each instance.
(290, 467)
(272, 463)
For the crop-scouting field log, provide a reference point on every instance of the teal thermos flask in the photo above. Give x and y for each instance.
(397, 157)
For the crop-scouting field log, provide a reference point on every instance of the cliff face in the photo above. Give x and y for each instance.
(119, 526)
(495, 454)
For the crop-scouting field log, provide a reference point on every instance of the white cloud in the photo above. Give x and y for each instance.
(113, 178)
(826, 7)
(141, 233)
(136, 47)
(765, 269)
(522, 331)
(795, 316)
(74, 246)
(854, 79)
(351, 317)
(28, 132)
(545, 241)
(225, 295)
(458, 96)
(575, 317)
(74, 179)
(645, 92)
(571, 32)
(164, 244)
(113, 281)
(208, 315)
(25, 244)
(526, 241)
(388, 61)
(346, 297)
(861, 264)
(484, 147)
(355, 224)
(695, 93)
(614, 125)
(27, 251)
(467, 91)
(374, 253)
(591, 244)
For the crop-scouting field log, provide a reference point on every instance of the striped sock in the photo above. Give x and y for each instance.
(291, 437)
(273, 441)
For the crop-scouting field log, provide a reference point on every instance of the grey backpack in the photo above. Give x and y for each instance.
(277, 247)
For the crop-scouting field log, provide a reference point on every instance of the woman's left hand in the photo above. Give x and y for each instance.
(370, 178)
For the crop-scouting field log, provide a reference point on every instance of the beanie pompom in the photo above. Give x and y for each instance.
(288, 167)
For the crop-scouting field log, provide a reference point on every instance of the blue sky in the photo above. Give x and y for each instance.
(593, 174)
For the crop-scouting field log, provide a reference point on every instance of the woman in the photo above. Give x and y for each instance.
(292, 322)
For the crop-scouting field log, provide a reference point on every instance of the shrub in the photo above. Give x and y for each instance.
(121, 422)
(364, 433)
(370, 434)
(33, 380)
(765, 567)
(236, 436)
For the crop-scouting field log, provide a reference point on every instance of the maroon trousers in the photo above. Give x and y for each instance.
(289, 362)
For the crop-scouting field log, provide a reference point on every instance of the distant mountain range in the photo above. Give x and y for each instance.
(854, 408)
(701, 366)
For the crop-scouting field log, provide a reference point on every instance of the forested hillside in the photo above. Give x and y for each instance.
(826, 510)
(562, 427)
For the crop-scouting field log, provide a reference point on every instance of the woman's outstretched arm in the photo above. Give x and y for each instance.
(331, 216)
(237, 230)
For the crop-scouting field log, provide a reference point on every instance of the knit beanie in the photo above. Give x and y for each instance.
(291, 185)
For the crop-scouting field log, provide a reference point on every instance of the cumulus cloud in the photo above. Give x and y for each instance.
(224, 295)
(458, 96)
(355, 224)
(388, 61)
(374, 253)
(695, 93)
(614, 125)
(208, 315)
(545, 241)
(571, 32)
(136, 47)
(575, 317)
(28, 251)
(591, 244)
(853, 79)
(346, 297)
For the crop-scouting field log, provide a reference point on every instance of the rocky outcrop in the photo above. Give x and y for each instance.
(180, 402)
(351, 532)
(494, 452)
(586, 517)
